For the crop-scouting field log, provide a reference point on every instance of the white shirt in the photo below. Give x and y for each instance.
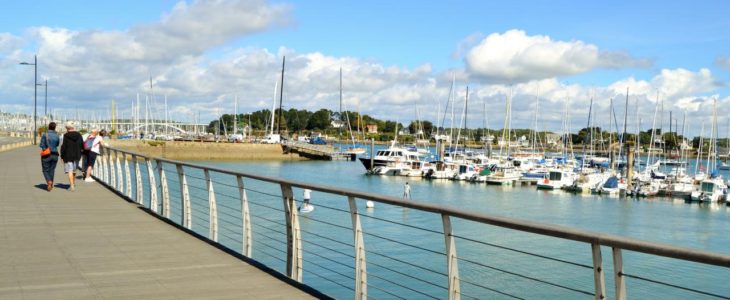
(98, 140)
(307, 194)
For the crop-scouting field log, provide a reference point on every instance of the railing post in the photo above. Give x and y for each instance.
(153, 185)
(99, 167)
(186, 215)
(112, 170)
(128, 177)
(361, 275)
(293, 235)
(246, 217)
(598, 277)
(618, 276)
(451, 259)
(120, 176)
(138, 180)
(105, 164)
(165, 190)
(212, 209)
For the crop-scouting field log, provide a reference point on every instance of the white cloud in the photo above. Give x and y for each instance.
(670, 83)
(514, 56)
(9, 43)
(89, 68)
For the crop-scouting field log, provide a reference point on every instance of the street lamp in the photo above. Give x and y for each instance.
(45, 105)
(35, 96)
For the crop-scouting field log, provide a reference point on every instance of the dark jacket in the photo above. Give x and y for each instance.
(72, 145)
(50, 140)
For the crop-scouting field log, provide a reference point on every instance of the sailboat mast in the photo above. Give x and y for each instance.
(273, 108)
(699, 150)
(281, 93)
(453, 108)
(458, 132)
(590, 131)
(711, 147)
(340, 93)
(626, 117)
(466, 113)
(167, 117)
(537, 109)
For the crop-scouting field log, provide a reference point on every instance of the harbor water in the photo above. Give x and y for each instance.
(405, 247)
(665, 220)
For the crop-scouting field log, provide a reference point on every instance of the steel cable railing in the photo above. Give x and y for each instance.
(525, 276)
(211, 197)
(679, 287)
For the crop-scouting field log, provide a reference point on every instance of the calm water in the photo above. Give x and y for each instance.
(327, 239)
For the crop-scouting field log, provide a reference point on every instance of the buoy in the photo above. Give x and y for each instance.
(546, 180)
(370, 204)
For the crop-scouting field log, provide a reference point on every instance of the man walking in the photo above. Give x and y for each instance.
(306, 206)
(407, 191)
(71, 148)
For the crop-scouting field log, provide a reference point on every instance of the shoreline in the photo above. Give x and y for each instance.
(206, 151)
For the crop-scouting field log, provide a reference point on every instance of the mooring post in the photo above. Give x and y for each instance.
(372, 153)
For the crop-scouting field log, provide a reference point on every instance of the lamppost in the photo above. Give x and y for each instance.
(45, 104)
(35, 96)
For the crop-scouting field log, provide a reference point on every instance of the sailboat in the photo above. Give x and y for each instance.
(275, 138)
(712, 189)
(724, 165)
(505, 172)
(354, 149)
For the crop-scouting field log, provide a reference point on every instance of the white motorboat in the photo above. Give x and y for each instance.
(556, 179)
(391, 161)
(585, 182)
(711, 190)
(503, 175)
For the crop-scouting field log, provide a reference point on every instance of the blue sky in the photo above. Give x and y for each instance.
(656, 41)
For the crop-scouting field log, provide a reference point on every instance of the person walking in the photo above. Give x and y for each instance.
(49, 140)
(407, 191)
(306, 206)
(91, 144)
(71, 148)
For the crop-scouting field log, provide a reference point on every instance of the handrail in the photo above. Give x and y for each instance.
(108, 165)
(558, 231)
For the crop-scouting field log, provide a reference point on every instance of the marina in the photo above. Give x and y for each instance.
(659, 219)
(263, 149)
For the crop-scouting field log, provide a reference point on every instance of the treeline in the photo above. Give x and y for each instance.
(298, 121)
(302, 121)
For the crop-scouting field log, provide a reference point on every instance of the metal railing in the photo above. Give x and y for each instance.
(226, 218)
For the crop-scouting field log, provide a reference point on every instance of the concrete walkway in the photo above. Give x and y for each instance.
(91, 244)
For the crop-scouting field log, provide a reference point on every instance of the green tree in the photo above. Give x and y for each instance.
(320, 120)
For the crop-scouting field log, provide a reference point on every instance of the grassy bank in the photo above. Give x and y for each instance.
(205, 151)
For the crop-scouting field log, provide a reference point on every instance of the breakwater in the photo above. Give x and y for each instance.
(206, 151)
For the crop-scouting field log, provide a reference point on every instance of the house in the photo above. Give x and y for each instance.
(552, 139)
(337, 124)
(371, 128)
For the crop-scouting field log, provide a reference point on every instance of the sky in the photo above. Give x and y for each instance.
(399, 59)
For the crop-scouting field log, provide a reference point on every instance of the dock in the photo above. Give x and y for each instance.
(317, 152)
(92, 244)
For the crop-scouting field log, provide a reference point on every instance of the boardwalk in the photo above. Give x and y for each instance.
(91, 244)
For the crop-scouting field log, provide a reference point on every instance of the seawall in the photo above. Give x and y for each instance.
(10, 143)
(206, 151)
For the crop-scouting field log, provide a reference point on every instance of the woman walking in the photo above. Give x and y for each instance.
(91, 146)
(71, 148)
(49, 140)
